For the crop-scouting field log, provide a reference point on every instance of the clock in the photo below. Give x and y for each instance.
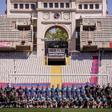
(56, 15)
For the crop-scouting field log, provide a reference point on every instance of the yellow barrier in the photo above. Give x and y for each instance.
(67, 60)
(45, 60)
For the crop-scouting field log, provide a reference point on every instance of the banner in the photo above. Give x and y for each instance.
(5, 44)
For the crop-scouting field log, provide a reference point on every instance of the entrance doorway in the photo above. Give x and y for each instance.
(56, 61)
(56, 46)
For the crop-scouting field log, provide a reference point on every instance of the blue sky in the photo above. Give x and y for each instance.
(2, 6)
(110, 6)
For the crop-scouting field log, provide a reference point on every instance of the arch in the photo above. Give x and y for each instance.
(55, 42)
(59, 26)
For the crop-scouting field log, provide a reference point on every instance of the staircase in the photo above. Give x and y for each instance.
(56, 76)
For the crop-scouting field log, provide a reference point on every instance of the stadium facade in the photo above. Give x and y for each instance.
(28, 56)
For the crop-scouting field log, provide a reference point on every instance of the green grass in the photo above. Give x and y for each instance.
(28, 110)
(53, 110)
(87, 110)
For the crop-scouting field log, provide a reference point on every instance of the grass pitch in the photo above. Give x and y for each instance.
(53, 110)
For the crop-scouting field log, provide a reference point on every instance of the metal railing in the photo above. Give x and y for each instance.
(77, 79)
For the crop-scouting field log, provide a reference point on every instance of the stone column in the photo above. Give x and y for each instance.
(73, 26)
(104, 7)
(40, 35)
(8, 7)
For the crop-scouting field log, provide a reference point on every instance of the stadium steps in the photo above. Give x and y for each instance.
(56, 70)
(80, 64)
(56, 76)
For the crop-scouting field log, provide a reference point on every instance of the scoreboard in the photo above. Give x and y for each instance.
(56, 53)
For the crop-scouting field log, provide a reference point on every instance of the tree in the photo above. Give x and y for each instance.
(57, 33)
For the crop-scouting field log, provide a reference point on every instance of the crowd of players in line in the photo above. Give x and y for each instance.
(88, 96)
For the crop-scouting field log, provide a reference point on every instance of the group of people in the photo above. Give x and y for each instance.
(88, 96)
